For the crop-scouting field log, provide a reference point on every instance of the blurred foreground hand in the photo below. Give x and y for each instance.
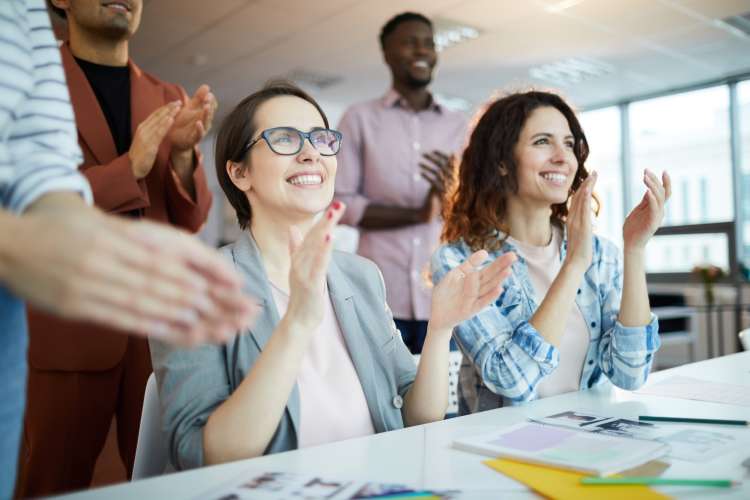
(140, 277)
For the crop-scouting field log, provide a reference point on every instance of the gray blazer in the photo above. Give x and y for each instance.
(194, 382)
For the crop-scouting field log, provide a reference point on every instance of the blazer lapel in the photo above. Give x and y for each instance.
(248, 259)
(145, 96)
(92, 125)
(342, 298)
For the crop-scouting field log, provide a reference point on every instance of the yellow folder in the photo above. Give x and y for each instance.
(563, 484)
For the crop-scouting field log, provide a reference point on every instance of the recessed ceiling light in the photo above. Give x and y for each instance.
(561, 6)
(318, 80)
(449, 33)
(571, 71)
(198, 59)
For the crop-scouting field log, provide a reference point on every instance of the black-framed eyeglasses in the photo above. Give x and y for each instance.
(289, 140)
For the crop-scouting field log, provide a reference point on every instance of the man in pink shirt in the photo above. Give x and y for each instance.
(394, 164)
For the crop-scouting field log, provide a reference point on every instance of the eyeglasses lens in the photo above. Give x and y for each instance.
(325, 141)
(284, 141)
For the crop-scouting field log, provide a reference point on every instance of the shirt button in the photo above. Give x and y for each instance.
(591, 361)
(414, 275)
(579, 291)
(593, 324)
(416, 241)
(398, 402)
(416, 146)
(416, 177)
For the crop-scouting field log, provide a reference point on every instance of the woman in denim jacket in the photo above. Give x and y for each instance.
(574, 312)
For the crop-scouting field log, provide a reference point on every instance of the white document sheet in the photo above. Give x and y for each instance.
(699, 390)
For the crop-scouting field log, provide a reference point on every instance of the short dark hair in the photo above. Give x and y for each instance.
(238, 129)
(57, 10)
(390, 26)
(477, 204)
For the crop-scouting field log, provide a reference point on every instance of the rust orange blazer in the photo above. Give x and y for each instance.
(74, 346)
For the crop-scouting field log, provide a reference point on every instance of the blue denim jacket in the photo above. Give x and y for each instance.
(505, 358)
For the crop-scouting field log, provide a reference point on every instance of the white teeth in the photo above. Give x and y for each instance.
(556, 178)
(306, 180)
(421, 64)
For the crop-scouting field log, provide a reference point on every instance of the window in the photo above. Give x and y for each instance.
(602, 129)
(688, 135)
(681, 253)
(743, 102)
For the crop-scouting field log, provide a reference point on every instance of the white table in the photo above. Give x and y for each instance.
(422, 457)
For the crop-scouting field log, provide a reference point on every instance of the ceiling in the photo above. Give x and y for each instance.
(236, 45)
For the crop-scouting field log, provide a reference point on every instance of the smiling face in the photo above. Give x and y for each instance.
(545, 159)
(296, 186)
(410, 53)
(114, 19)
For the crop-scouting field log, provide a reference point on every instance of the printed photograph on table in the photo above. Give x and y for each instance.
(275, 485)
(573, 419)
(686, 442)
(626, 428)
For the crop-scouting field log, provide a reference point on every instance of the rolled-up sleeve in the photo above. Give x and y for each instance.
(192, 384)
(350, 169)
(625, 354)
(507, 352)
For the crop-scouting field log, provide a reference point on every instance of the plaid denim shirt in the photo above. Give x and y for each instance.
(505, 358)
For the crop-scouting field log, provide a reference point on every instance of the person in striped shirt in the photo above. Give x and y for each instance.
(60, 254)
(573, 313)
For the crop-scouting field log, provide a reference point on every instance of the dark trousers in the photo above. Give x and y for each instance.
(414, 331)
(68, 415)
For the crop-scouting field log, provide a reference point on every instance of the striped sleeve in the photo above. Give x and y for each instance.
(39, 151)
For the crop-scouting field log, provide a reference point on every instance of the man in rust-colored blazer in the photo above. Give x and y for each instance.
(139, 138)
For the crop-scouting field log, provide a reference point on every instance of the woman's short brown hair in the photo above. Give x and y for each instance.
(238, 129)
(476, 207)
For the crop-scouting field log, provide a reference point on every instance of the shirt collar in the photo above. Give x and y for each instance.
(393, 98)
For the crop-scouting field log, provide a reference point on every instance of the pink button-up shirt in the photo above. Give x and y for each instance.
(384, 140)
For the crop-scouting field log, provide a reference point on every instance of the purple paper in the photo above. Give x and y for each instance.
(533, 438)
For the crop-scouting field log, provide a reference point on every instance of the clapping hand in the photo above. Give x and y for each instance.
(136, 276)
(578, 223)
(467, 289)
(646, 217)
(194, 120)
(310, 257)
(437, 170)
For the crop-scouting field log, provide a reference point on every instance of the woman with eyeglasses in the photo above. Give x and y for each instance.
(574, 313)
(324, 361)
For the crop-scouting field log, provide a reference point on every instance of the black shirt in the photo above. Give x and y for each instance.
(111, 84)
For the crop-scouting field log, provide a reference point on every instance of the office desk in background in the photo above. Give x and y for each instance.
(422, 456)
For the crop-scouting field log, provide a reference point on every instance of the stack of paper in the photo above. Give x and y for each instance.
(564, 448)
(700, 390)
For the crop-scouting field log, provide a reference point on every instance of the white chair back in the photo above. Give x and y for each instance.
(151, 450)
(454, 367)
(745, 338)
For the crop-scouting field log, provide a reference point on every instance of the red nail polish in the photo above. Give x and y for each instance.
(328, 238)
(329, 215)
(336, 205)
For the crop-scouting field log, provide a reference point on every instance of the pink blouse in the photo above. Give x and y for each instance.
(332, 403)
